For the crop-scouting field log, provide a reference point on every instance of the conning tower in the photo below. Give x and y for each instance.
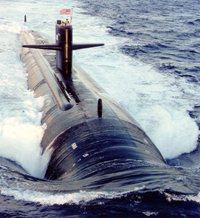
(64, 47)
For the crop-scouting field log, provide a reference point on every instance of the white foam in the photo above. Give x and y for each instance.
(20, 126)
(19, 141)
(173, 197)
(50, 198)
(56, 198)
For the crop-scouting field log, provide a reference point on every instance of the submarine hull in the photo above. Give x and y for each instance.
(105, 152)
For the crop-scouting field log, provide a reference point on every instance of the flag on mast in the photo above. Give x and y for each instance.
(67, 12)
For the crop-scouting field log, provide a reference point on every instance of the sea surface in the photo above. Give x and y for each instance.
(150, 65)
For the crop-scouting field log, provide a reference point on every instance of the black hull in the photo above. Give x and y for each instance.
(93, 152)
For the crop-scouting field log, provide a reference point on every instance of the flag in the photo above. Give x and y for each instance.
(67, 12)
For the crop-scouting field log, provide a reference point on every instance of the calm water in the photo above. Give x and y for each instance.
(150, 65)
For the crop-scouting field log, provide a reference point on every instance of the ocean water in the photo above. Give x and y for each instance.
(149, 65)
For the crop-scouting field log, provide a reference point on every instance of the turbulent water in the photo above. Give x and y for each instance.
(149, 65)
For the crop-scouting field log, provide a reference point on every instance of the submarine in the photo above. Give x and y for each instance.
(94, 143)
